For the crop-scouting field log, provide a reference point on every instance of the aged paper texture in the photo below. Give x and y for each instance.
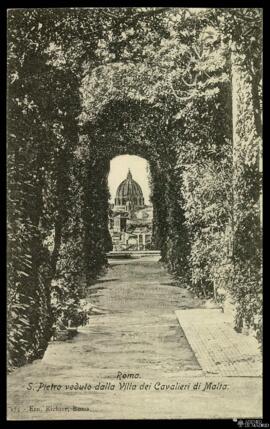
(135, 214)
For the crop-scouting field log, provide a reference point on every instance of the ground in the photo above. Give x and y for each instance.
(133, 360)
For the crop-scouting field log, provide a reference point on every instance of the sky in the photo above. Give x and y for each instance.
(118, 172)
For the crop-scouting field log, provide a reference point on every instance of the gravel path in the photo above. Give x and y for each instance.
(131, 361)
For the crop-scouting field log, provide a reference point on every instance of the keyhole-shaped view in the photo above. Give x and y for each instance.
(134, 209)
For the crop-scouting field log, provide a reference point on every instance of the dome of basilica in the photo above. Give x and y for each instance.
(129, 191)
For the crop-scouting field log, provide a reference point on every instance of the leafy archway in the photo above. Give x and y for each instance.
(181, 88)
(133, 128)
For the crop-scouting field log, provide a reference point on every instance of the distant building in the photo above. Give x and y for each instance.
(130, 220)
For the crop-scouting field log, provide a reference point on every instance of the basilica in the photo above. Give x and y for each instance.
(130, 219)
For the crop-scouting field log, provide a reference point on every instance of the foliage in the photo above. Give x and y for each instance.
(247, 286)
(87, 85)
(243, 32)
(37, 177)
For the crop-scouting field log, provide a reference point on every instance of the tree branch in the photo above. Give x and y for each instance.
(176, 95)
(194, 83)
(247, 18)
(197, 52)
(150, 12)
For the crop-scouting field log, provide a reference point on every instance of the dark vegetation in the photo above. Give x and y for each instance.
(87, 85)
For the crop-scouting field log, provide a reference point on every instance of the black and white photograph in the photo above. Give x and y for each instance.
(134, 214)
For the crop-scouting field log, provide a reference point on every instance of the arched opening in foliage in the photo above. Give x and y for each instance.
(178, 87)
(133, 128)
